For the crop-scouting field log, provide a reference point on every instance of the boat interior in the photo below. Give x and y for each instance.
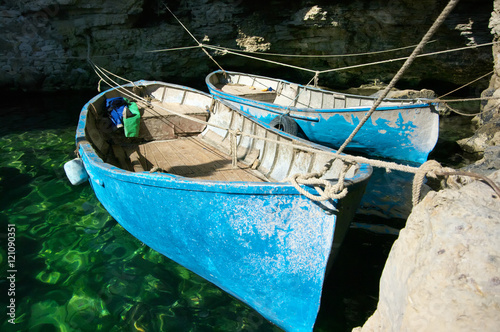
(171, 143)
(292, 95)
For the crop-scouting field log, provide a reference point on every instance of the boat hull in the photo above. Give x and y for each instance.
(269, 250)
(262, 242)
(406, 132)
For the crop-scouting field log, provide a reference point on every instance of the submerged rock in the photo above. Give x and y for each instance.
(443, 272)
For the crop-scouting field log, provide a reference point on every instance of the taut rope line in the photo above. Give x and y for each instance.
(196, 40)
(319, 56)
(239, 53)
(405, 58)
(336, 191)
(259, 59)
(463, 86)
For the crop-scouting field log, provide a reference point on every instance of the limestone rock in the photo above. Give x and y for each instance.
(489, 163)
(474, 144)
(409, 94)
(486, 139)
(486, 135)
(443, 272)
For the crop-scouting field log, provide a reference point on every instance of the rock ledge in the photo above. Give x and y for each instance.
(443, 272)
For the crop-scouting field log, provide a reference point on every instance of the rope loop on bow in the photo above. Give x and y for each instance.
(326, 189)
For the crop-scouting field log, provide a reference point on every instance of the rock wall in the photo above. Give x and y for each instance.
(486, 140)
(45, 44)
(443, 272)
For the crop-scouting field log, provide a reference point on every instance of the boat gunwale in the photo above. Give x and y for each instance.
(416, 103)
(171, 181)
(296, 113)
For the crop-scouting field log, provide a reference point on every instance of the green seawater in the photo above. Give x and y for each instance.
(77, 269)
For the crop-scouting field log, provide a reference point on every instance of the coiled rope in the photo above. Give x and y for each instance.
(325, 188)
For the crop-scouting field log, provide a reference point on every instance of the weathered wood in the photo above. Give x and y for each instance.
(248, 91)
(191, 157)
(159, 122)
(95, 134)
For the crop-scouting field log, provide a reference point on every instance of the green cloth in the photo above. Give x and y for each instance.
(131, 120)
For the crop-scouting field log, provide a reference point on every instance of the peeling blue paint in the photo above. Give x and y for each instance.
(262, 242)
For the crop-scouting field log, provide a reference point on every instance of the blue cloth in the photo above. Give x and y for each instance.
(115, 107)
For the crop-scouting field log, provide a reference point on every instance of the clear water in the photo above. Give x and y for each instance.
(78, 270)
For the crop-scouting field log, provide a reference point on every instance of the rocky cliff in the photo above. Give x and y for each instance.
(486, 140)
(443, 272)
(45, 44)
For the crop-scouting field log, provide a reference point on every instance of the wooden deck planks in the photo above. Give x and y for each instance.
(190, 157)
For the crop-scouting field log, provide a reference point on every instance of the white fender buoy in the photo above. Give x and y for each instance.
(75, 171)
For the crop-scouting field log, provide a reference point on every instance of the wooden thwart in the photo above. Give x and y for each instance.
(247, 91)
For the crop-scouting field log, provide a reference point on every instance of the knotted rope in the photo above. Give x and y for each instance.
(329, 190)
(453, 178)
(429, 168)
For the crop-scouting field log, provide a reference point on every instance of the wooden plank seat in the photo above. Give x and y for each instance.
(243, 90)
(159, 124)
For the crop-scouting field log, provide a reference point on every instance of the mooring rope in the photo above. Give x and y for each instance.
(192, 36)
(467, 84)
(330, 191)
(217, 48)
(454, 178)
(404, 58)
(348, 160)
(322, 55)
(240, 53)
(173, 49)
(472, 114)
(445, 102)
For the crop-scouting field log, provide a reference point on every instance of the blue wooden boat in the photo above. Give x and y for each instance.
(400, 129)
(243, 228)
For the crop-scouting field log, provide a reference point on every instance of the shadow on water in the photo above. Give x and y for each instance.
(78, 270)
